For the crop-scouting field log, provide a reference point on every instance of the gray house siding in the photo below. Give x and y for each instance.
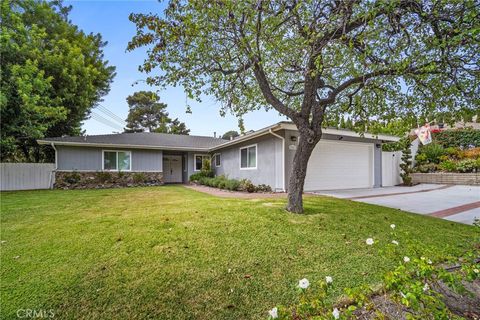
(269, 162)
(290, 147)
(79, 158)
(90, 159)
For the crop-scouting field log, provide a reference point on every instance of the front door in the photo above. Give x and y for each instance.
(172, 169)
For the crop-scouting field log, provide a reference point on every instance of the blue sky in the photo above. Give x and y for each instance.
(110, 19)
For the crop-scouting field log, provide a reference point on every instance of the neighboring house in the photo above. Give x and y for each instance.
(342, 159)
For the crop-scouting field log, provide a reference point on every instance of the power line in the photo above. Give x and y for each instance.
(105, 121)
(110, 114)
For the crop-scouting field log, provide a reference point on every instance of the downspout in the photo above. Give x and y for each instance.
(283, 156)
(55, 168)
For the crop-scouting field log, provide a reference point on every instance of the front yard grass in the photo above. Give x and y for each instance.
(173, 253)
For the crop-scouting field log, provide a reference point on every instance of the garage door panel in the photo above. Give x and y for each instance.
(340, 165)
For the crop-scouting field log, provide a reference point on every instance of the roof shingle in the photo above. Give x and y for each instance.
(146, 139)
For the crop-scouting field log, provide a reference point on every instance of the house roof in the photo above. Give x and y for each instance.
(145, 140)
(287, 125)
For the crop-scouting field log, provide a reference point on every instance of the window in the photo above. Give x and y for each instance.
(199, 158)
(217, 160)
(248, 157)
(117, 160)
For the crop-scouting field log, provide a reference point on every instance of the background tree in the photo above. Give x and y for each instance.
(230, 134)
(315, 60)
(147, 113)
(52, 75)
(177, 127)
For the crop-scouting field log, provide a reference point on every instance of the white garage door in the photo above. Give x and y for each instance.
(340, 165)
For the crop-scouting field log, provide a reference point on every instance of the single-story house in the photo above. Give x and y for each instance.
(342, 159)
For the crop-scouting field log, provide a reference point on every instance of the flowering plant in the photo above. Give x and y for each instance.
(416, 285)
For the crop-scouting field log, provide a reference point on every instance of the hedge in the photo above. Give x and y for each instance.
(459, 138)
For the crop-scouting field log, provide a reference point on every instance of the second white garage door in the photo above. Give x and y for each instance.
(340, 165)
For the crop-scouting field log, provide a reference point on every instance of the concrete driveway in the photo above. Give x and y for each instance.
(450, 202)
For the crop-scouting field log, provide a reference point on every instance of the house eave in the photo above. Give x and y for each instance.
(348, 133)
(124, 146)
(265, 131)
(250, 136)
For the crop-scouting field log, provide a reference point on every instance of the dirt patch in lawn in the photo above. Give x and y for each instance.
(236, 194)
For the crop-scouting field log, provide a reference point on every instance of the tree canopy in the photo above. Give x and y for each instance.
(52, 75)
(230, 134)
(318, 60)
(147, 113)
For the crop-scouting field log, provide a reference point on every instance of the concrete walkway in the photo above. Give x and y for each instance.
(454, 203)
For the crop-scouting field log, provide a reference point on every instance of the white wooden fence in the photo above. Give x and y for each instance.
(26, 176)
(391, 168)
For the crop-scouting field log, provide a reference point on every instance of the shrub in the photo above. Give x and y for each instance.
(406, 164)
(202, 174)
(207, 169)
(263, 188)
(448, 165)
(139, 177)
(461, 138)
(103, 176)
(427, 168)
(72, 178)
(433, 152)
(247, 185)
(232, 185)
(444, 158)
(421, 158)
(453, 152)
(222, 182)
(467, 165)
(473, 153)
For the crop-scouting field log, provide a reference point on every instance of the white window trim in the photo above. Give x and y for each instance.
(117, 151)
(195, 160)
(240, 157)
(213, 157)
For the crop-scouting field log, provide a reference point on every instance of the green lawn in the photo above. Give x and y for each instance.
(166, 252)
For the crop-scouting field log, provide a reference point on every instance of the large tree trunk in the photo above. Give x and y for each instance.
(306, 144)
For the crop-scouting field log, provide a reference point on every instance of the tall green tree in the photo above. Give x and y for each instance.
(52, 75)
(313, 60)
(147, 113)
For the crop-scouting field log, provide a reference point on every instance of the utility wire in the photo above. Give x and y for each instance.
(109, 113)
(105, 121)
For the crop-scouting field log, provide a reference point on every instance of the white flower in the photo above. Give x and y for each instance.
(395, 242)
(328, 279)
(229, 270)
(406, 259)
(476, 270)
(304, 283)
(426, 287)
(336, 313)
(369, 241)
(392, 226)
(422, 258)
(429, 261)
(273, 313)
